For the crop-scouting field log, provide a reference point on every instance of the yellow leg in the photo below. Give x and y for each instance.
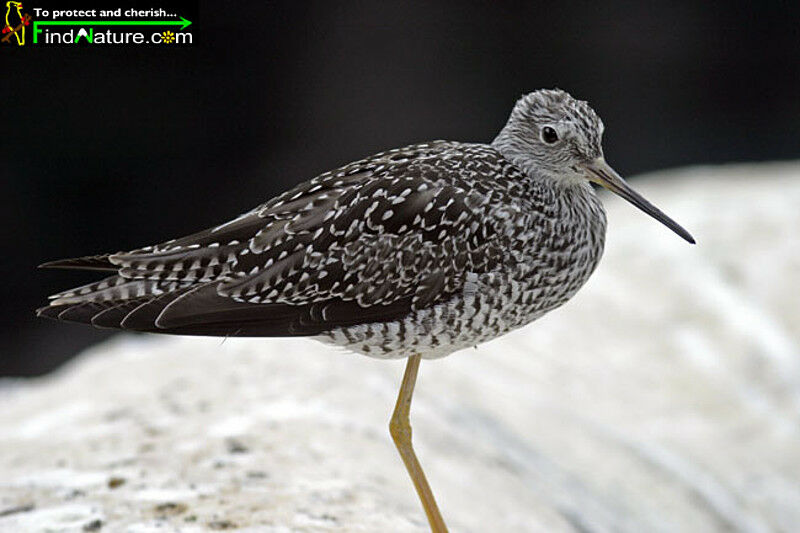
(400, 428)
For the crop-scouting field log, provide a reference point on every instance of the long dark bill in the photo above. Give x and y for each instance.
(601, 173)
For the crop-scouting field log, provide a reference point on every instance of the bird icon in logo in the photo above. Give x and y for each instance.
(15, 23)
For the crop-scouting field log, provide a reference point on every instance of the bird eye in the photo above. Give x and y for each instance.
(549, 135)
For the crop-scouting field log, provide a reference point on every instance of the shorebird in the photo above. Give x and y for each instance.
(412, 253)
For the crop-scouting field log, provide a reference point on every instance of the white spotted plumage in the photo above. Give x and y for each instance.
(423, 249)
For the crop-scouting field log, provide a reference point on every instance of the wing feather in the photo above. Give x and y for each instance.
(89, 262)
(372, 241)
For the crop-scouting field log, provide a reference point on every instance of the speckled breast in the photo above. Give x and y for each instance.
(553, 246)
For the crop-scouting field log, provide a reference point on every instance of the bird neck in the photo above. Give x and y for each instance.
(511, 144)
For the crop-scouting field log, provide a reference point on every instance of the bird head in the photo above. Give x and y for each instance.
(553, 135)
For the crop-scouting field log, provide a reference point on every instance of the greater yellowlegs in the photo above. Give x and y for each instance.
(411, 253)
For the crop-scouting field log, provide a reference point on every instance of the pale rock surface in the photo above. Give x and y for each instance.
(664, 397)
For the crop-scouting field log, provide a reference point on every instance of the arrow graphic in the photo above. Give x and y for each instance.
(183, 23)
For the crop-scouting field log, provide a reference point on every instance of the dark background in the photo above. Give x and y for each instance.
(105, 149)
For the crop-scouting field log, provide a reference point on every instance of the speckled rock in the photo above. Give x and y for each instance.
(664, 397)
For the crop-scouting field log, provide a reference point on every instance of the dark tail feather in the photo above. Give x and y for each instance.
(112, 316)
(83, 312)
(107, 314)
(50, 311)
(143, 317)
(89, 262)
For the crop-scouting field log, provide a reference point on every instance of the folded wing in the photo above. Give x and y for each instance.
(370, 242)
